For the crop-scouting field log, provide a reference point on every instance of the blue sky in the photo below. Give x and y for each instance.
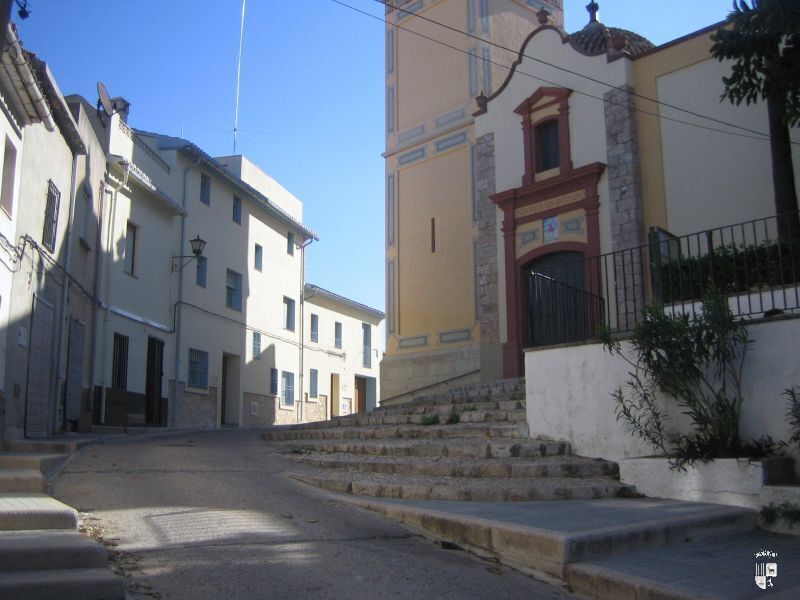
(312, 100)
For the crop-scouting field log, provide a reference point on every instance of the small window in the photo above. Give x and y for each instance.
(256, 345)
(202, 271)
(314, 327)
(259, 258)
(313, 376)
(237, 210)
(119, 367)
(233, 290)
(288, 388)
(367, 334)
(290, 243)
(130, 249)
(51, 216)
(337, 335)
(273, 381)
(9, 171)
(547, 146)
(205, 189)
(198, 368)
(288, 313)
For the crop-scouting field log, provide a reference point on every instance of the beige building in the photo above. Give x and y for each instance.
(436, 305)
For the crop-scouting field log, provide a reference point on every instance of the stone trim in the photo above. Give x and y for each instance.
(488, 293)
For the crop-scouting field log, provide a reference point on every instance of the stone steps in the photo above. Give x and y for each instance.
(44, 463)
(64, 584)
(555, 466)
(388, 432)
(419, 487)
(35, 511)
(472, 390)
(457, 448)
(21, 480)
(550, 537)
(43, 446)
(40, 550)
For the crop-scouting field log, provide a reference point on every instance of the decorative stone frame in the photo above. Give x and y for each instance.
(556, 97)
(577, 189)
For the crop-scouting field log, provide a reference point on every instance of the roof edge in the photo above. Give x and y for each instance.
(312, 290)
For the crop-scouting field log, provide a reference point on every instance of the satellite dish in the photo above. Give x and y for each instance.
(104, 100)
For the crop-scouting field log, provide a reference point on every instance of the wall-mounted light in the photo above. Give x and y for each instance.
(198, 245)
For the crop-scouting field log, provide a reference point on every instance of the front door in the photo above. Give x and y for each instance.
(153, 382)
(558, 305)
(360, 404)
(40, 369)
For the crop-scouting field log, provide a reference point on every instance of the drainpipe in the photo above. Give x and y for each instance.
(109, 254)
(60, 362)
(179, 304)
(98, 240)
(302, 319)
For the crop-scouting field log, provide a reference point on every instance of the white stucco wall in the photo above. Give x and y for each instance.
(8, 229)
(347, 361)
(569, 392)
(252, 175)
(705, 170)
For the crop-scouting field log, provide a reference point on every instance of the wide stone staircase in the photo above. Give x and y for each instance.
(460, 467)
(469, 443)
(42, 553)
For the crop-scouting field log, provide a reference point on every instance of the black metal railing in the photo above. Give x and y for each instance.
(757, 268)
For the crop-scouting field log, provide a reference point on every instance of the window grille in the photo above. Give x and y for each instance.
(198, 368)
(51, 216)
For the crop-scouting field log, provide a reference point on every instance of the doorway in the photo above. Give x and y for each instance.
(559, 308)
(360, 400)
(229, 404)
(153, 381)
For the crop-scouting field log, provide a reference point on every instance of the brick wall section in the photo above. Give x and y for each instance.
(196, 411)
(625, 202)
(486, 214)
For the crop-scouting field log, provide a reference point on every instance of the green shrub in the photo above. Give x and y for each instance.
(431, 419)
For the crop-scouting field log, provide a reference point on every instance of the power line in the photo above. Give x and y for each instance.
(759, 136)
(565, 70)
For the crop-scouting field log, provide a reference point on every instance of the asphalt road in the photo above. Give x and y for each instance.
(212, 515)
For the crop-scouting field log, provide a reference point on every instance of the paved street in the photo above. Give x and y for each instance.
(211, 515)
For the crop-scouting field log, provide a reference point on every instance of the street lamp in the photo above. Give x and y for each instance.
(198, 245)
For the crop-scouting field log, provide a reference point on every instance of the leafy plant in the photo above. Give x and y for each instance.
(785, 511)
(793, 414)
(431, 419)
(697, 361)
(453, 418)
(730, 268)
(469, 408)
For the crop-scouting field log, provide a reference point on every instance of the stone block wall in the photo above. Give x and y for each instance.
(483, 164)
(195, 410)
(625, 201)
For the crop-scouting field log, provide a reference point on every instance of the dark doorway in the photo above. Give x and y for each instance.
(155, 374)
(559, 308)
(360, 400)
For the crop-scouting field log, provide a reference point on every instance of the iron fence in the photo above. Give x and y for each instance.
(758, 269)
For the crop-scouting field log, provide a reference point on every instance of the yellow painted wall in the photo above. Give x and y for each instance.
(436, 291)
(646, 71)
(422, 90)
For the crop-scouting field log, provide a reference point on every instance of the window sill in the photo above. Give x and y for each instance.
(286, 407)
(196, 390)
(129, 274)
(85, 243)
(312, 400)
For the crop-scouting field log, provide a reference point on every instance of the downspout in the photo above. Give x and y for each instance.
(98, 240)
(108, 250)
(179, 304)
(307, 242)
(60, 362)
